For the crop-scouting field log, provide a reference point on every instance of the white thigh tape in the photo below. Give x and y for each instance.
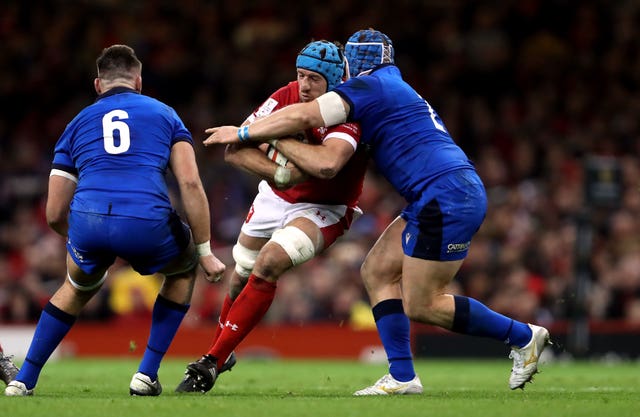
(245, 259)
(87, 287)
(296, 243)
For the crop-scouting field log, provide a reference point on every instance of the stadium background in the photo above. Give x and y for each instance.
(529, 88)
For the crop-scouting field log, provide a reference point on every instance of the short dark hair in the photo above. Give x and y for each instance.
(118, 61)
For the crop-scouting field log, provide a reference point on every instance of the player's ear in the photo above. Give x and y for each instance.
(97, 86)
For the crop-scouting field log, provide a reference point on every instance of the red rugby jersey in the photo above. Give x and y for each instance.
(346, 187)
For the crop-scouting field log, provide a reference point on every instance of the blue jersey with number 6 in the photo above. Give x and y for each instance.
(119, 147)
(409, 143)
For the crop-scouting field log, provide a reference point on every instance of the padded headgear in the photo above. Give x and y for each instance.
(367, 48)
(325, 58)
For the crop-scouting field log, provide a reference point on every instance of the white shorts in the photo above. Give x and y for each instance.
(269, 213)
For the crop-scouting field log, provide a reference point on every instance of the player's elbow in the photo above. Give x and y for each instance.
(55, 223)
(329, 162)
(308, 120)
(191, 186)
(328, 170)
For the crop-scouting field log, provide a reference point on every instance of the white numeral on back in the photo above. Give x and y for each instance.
(433, 117)
(111, 122)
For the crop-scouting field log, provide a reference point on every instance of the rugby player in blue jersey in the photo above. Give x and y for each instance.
(418, 255)
(109, 198)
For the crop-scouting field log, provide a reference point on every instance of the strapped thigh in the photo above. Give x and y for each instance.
(90, 287)
(296, 243)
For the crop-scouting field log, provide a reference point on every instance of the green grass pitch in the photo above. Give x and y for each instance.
(467, 388)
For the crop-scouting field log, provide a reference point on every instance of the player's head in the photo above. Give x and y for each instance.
(118, 62)
(367, 48)
(325, 58)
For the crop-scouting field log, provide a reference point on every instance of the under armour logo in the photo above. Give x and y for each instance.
(233, 326)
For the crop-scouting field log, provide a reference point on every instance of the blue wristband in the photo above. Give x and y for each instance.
(243, 133)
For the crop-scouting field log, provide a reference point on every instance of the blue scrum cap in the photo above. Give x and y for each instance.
(367, 48)
(325, 58)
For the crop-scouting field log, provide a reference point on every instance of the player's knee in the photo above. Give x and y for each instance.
(411, 310)
(366, 270)
(372, 272)
(422, 307)
(298, 246)
(245, 259)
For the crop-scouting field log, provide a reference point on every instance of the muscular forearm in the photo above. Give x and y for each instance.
(319, 161)
(286, 121)
(251, 160)
(196, 208)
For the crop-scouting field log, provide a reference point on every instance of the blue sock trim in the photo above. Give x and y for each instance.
(461, 314)
(59, 314)
(386, 307)
(476, 319)
(152, 349)
(34, 363)
(506, 335)
(172, 304)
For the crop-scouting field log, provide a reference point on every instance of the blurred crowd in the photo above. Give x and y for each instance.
(529, 88)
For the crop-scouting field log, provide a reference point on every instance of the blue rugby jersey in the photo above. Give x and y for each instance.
(407, 139)
(119, 147)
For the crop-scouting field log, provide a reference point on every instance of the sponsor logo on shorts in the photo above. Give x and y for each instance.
(458, 247)
(76, 253)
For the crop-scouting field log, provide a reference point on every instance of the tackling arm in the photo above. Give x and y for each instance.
(254, 161)
(250, 159)
(196, 206)
(194, 199)
(327, 110)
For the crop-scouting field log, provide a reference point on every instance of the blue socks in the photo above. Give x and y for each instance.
(394, 330)
(471, 317)
(54, 324)
(166, 318)
(52, 327)
(474, 318)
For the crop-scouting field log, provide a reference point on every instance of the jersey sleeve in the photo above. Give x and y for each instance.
(359, 93)
(62, 160)
(180, 132)
(349, 132)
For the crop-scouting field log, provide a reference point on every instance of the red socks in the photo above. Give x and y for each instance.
(226, 306)
(244, 313)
